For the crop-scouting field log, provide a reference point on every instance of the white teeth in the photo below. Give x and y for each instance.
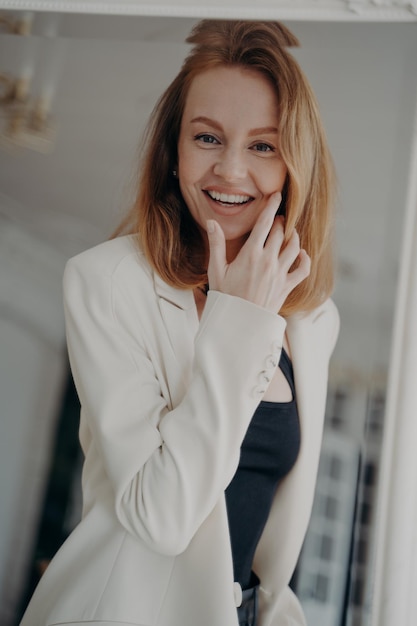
(230, 199)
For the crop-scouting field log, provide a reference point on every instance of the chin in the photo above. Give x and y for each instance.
(236, 234)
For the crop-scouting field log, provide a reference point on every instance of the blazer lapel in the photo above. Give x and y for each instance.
(310, 363)
(179, 316)
(299, 339)
(281, 540)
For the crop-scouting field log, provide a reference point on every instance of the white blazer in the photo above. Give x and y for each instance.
(166, 401)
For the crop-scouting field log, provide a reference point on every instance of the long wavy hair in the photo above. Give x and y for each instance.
(159, 217)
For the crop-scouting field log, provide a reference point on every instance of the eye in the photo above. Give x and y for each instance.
(206, 138)
(263, 147)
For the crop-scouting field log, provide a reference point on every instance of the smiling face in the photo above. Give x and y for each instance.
(229, 162)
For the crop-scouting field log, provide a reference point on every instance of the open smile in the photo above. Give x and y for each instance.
(231, 200)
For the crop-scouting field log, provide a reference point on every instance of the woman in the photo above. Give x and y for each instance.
(199, 343)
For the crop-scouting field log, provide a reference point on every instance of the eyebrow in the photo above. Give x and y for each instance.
(263, 130)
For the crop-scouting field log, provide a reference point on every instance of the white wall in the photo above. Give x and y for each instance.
(33, 368)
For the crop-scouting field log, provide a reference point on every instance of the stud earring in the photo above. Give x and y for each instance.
(174, 173)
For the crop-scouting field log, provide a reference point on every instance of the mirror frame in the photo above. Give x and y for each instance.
(311, 10)
(394, 599)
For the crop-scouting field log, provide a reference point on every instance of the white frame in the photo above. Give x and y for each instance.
(394, 600)
(311, 10)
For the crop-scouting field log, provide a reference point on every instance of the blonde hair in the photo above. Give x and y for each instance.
(159, 216)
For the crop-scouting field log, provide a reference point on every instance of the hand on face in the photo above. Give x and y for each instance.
(229, 157)
(260, 272)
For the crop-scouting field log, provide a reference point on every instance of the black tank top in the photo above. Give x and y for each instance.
(268, 452)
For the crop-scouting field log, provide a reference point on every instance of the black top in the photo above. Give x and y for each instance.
(268, 452)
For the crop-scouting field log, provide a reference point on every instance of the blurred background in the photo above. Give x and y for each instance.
(75, 94)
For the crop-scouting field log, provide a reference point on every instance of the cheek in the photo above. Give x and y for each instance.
(282, 177)
(272, 179)
(187, 167)
(183, 157)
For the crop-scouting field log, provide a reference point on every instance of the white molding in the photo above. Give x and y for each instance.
(313, 10)
(394, 598)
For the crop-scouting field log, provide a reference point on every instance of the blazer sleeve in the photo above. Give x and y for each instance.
(167, 467)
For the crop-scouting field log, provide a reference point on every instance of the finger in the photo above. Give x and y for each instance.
(217, 253)
(276, 235)
(265, 221)
(290, 252)
(302, 271)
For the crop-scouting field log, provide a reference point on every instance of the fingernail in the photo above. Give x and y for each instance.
(210, 226)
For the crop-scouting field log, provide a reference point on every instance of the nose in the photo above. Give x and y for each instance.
(230, 165)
